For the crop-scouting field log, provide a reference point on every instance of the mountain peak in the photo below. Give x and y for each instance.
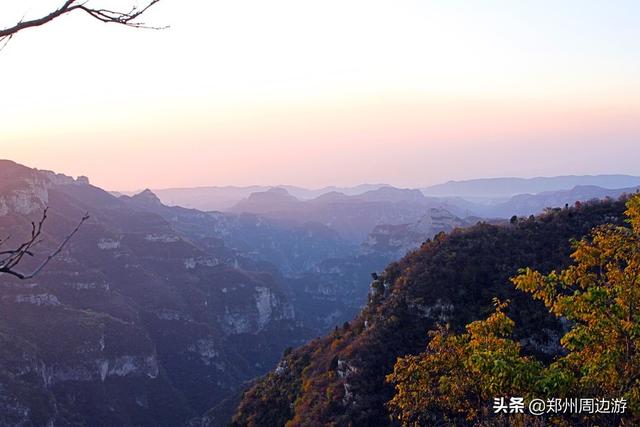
(147, 196)
(271, 200)
(274, 193)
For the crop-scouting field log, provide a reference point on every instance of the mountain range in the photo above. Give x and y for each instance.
(222, 198)
(501, 188)
(481, 191)
(157, 314)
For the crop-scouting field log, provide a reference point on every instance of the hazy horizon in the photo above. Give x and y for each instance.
(357, 184)
(442, 180)
(407, 93)
(362, 183)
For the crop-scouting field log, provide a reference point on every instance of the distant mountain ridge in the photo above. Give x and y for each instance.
(220, 198)
(352, 216)
(530, 204)
(355, 216)
(272, 200)
(463, 195)
(507, 187)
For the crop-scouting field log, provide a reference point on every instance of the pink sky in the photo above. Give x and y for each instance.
(408, 93)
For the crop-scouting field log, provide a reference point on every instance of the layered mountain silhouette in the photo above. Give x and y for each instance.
(156, 314)
(485, 190)
(496, 188)
(352, 216)
(529, 204)
(223, 198)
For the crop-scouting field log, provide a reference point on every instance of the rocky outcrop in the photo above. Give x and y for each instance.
(400, 239)
(26, 191)
(253, 315)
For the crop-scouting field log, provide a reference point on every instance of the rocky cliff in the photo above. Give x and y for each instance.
(135, 322)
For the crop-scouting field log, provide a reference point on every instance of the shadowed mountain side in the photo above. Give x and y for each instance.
(134, 323)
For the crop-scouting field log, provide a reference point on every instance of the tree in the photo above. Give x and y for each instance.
(599, 295)
(11, 259)
(129, 18)
(458, 375)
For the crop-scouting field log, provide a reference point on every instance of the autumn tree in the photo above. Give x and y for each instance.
(458, 376)
(599, 295)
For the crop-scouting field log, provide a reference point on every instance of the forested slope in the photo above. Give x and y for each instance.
(340, 379)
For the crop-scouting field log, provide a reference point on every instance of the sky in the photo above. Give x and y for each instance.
(310, 93)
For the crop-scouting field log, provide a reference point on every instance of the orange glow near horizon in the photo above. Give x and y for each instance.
(408, 93)
(430, 143)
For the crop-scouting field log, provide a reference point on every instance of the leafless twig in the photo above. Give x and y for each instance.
(129, 18)
(10, 259)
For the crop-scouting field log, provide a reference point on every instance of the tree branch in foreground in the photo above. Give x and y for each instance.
(129, 18)
(10, 259)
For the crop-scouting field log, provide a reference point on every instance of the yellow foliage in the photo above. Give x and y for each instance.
(458, 375)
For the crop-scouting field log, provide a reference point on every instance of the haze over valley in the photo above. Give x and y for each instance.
(160, 302)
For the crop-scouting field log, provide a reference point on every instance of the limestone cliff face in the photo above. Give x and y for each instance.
(57, 362)
(135, 322)
(252, 315)
(28, 196)
(400, 239)
(26, 191)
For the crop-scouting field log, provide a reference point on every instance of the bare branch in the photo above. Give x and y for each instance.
(13, 257)
(129, 19)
